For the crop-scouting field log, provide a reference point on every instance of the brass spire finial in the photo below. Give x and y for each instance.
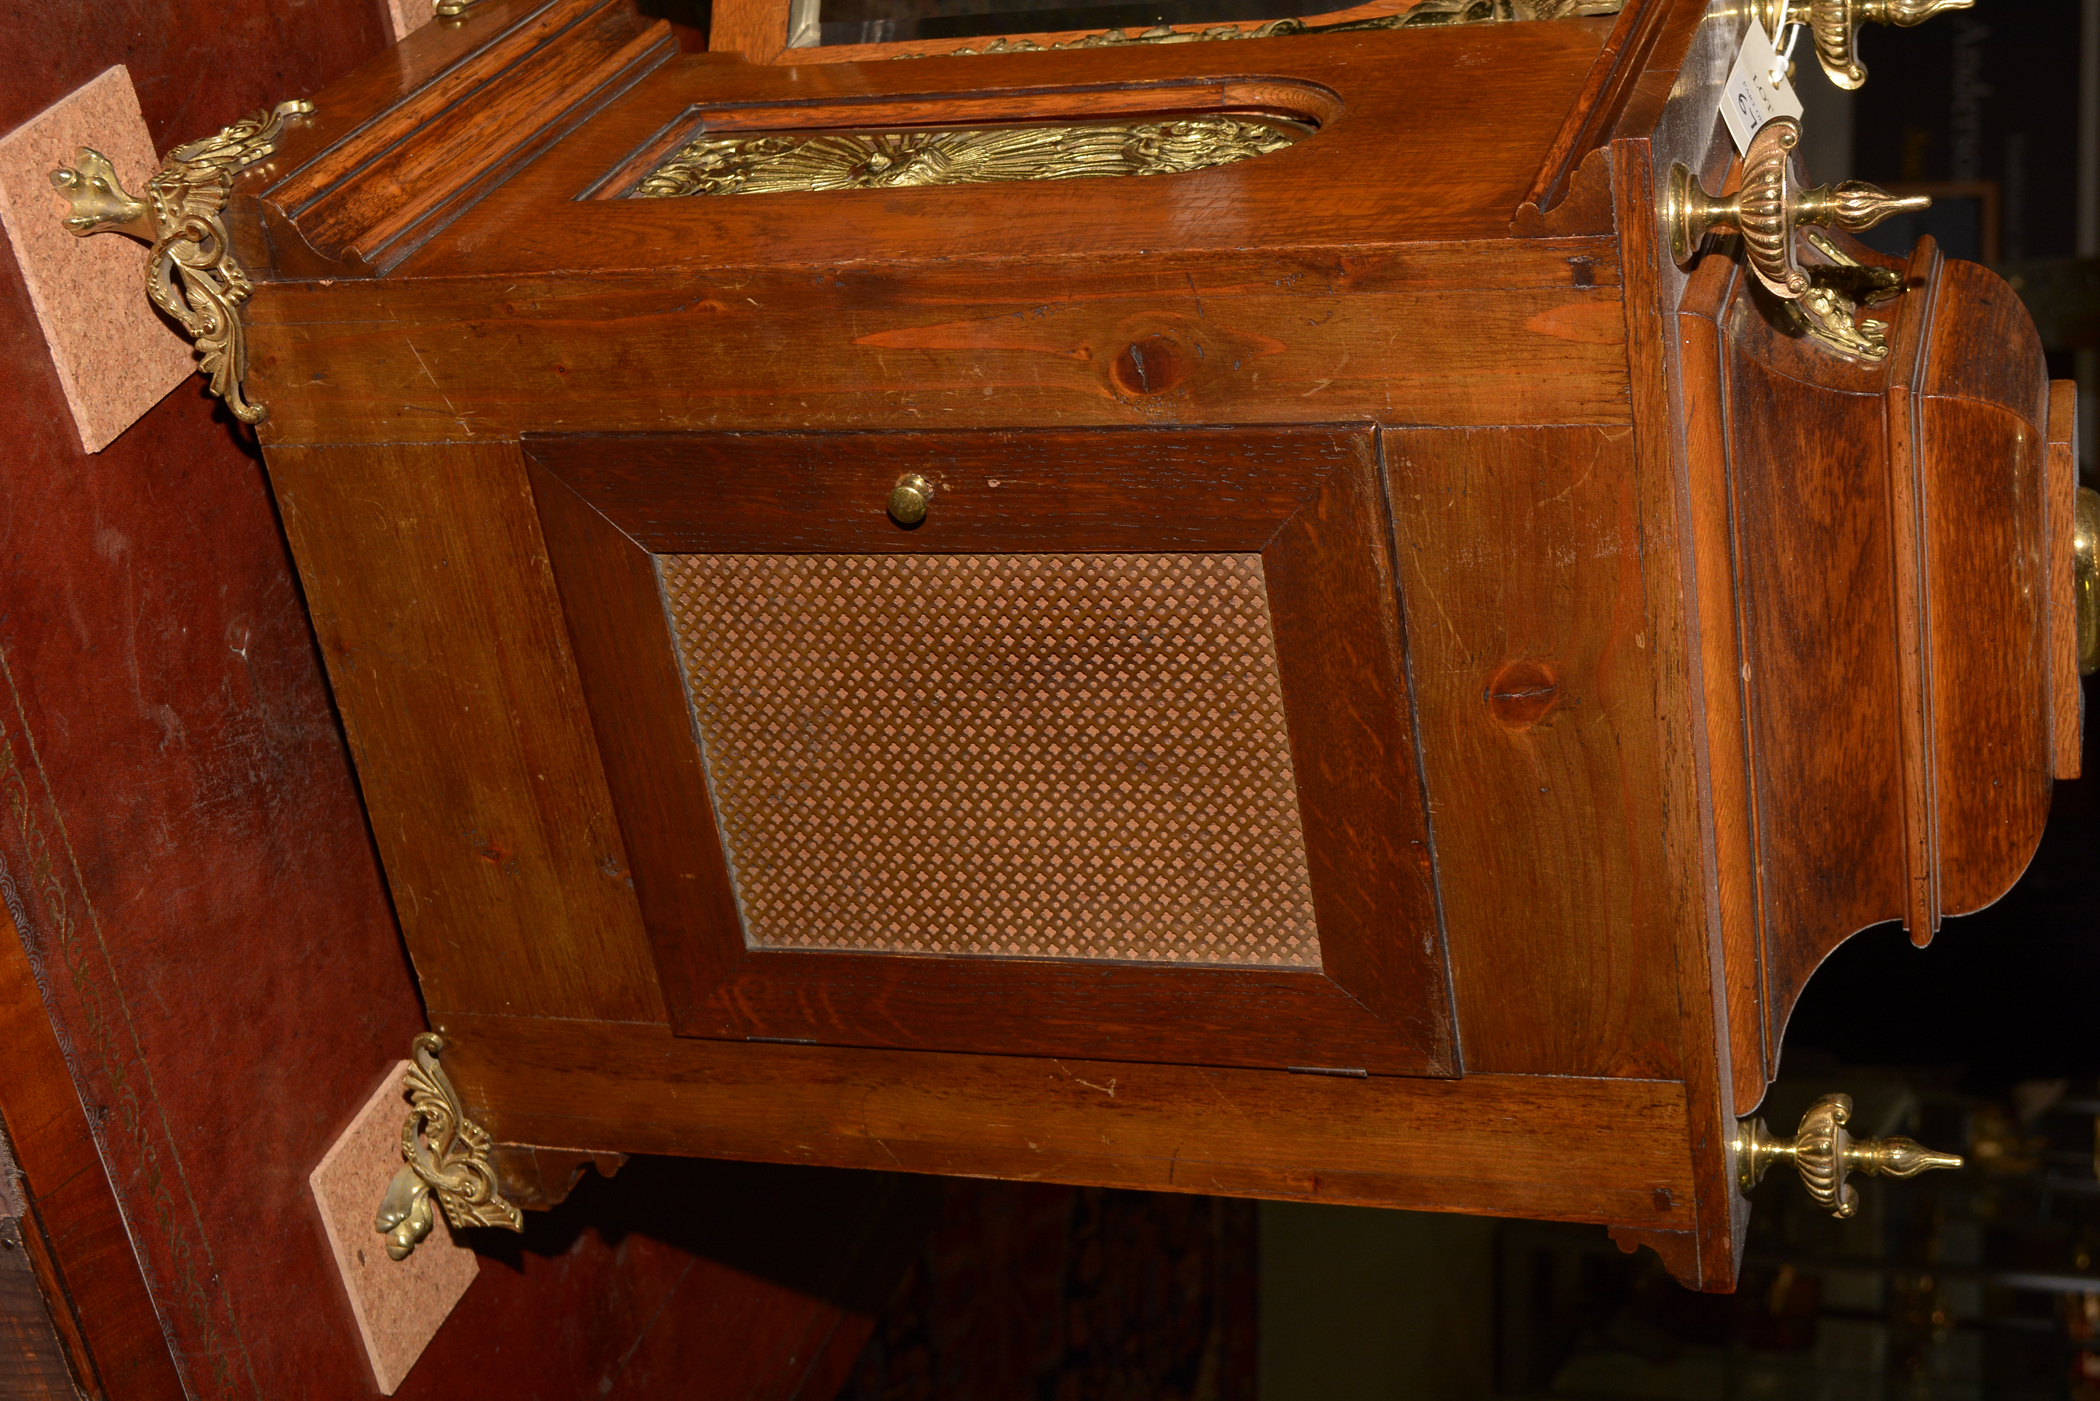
(1823, 1152)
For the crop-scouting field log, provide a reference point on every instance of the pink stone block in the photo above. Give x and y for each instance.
(116, 356)
(399, 1304)
(409, 16)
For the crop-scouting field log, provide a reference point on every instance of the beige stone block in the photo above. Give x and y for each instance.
(116, 356)
(399, 1304)
(409, 16)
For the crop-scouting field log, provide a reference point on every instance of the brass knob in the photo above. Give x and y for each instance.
(1769, 205)
(909, 499)
(1823, 1152)
(1833, 25)
(2085, 562)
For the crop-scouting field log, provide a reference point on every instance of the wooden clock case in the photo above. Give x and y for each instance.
(1629, 648)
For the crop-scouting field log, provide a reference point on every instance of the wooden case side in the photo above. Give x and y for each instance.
(438, 616)
(634, 690)
(1524, 587)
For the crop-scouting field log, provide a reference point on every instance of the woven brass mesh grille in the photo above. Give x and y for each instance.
(1078, 756)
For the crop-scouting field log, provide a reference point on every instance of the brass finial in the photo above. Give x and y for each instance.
(1834, 27)
(1823, 1152)
(1770, 204)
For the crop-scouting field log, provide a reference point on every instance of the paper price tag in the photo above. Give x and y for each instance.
(1750, 98)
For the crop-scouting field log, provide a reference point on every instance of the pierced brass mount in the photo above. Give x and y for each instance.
(2085, 556)
(1834, 27)
(1823, 1152)
(445, 1156)
(1770, 205)
(192, 275)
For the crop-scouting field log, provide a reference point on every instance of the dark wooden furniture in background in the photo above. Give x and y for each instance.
(1633, 649)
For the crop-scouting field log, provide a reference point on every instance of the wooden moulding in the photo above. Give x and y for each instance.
(1710, 1254)
(383, 165)
(757, 30)
(1308, 500)
(2066, 700)
(1572, 192)
(1606, 1151)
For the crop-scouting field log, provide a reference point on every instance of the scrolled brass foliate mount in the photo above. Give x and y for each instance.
(445, 1156)
(192, 275)
(1833, 26)
(1823, 1152)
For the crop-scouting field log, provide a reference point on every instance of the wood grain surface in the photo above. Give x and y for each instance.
(72, 1225)
(1548, 1146)
(1669, 542)
(1985, 517)
(438, 618)
(1522, 573)
(1307, 338)
(1753, 1059)
(2060, 487)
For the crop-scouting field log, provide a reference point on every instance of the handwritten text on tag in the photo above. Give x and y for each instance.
(1751, 98)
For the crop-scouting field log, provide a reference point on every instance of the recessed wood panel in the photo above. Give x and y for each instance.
(1169, 977)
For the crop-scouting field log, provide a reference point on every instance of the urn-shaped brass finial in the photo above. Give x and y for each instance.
(1770, 205)
(1834, 27)
(1823, 1152)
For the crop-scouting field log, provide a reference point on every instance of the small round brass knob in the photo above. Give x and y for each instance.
(2085, 557)
(1824, 1152)
(909, 499)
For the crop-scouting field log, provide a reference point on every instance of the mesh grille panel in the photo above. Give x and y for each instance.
(1078, 756)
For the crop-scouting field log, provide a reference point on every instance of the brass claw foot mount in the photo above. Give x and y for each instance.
(445, 1157)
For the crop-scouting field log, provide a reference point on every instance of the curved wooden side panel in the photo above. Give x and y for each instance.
(1888, 528)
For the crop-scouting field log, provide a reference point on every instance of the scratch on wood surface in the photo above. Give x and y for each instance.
(1109, 1089)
